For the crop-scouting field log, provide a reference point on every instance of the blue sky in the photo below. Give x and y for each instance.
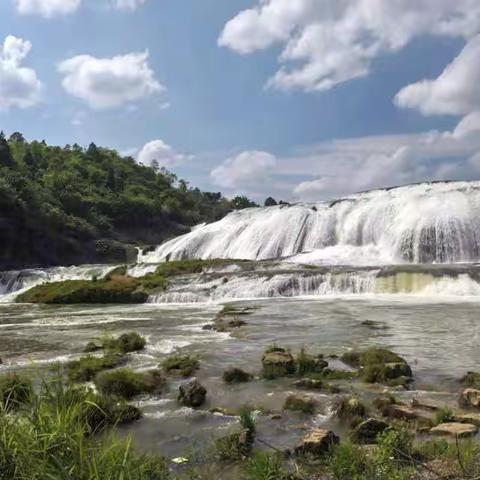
(300, 99)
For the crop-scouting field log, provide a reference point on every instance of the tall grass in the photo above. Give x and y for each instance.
(53, 438)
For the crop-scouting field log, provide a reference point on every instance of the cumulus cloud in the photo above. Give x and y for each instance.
(384, 161)
(109, 82)
(244, 170)
(327, 42)
(128, 4)
(47, 8)
(161, 153)
(456, 91)
(19, 85)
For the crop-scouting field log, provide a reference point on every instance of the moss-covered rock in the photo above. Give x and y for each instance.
(182, 365)
(192, 393)
(278, 363)
(85, 368)
(379, 365)
(118, 290)
(236, 375)
(15, 390)
(369, 430)
(126, 383)
(300, 403)
(350, 407)
(307, 363)
(126, 343)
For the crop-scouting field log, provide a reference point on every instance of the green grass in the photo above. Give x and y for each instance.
(444, 415)
(15, 391)
(183, 365)
(85, 368)
(264, 466)
(125, 343)
(53, 439)
(117, 290)
(183, 267)
(126, 383)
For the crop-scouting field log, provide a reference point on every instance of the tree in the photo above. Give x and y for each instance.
(270, 202)
(17, 137)
(6, 158)
(240, 202)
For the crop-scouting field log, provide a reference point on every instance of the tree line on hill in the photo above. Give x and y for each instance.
(70, 205)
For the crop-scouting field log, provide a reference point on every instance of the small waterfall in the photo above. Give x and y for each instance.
(426, 223)
(16, 281)
(310, 284)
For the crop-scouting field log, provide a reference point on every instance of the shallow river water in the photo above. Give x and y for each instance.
(440, 340)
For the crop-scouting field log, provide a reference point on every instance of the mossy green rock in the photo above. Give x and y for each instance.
(236, 375)
(85, 368)
(300, 403)
(278, 363)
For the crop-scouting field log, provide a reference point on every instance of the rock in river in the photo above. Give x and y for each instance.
(192, 393)
(317, 442)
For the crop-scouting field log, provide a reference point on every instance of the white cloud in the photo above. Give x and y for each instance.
(456, 91)
(246, 169)
(19, 85)
(163, 154)
(109, 82)
(385, 161)
(128, 4)
(327, 42)
(47, 8)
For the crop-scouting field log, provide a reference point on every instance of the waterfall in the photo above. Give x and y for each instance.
(19, 280)
(425, 223)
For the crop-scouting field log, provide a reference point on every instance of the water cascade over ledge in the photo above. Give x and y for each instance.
(425, 223)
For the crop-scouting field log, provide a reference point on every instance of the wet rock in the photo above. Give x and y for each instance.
(276, 416)
(424, 406)
(460, 430)
(368, 431)
(278, 363)
(236, 375)
(317, 443)
(470, 398)
(378, 365)
(309, 384)
(401, 412)
(192, 393)
(472, 418)
(351, 407)
(300, 403)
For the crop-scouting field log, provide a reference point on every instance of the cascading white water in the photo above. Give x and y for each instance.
(19, 280)
(425, 223)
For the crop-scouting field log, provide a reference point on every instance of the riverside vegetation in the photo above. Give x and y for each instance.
(72, 205)
(60, 428)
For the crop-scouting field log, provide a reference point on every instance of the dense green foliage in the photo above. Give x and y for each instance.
(63, 205)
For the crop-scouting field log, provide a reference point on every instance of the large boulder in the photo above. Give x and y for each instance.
(236, 375)
(192, 393)
(317, 443)
(278, 363)
(368, 431)
(454, 429)
(470, 398)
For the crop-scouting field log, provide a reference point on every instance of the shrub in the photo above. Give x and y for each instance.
(183, 365)
(348, 461)
(125, 383)
(85, 368)
(246, 420)
(126, 343)
(15, 391)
